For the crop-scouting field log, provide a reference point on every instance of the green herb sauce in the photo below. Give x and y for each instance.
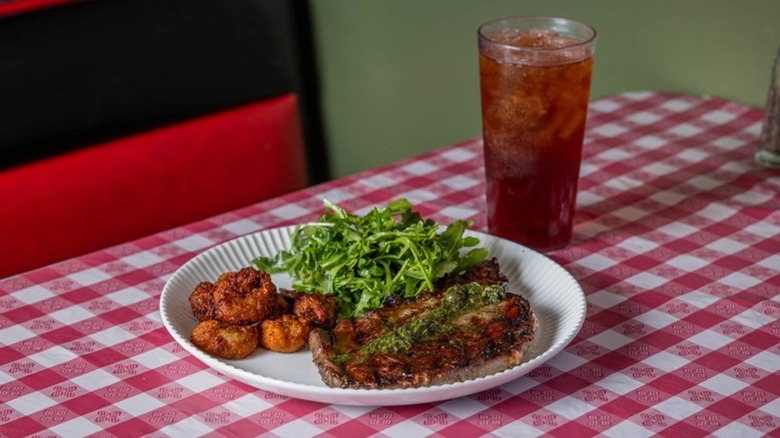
(457, 300)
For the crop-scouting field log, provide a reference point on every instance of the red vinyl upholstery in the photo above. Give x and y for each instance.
(12, 7)
(109, 193)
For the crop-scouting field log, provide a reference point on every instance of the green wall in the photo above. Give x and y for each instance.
(399, 77)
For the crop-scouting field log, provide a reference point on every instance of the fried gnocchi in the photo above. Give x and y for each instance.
(243, 310)
(316, 309)
(246, 297)
(229, 341)
(202, 301)
(286, 334)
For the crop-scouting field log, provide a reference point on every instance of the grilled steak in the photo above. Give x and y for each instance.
(468, 327)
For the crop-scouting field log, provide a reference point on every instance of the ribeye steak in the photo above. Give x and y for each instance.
(468, 327)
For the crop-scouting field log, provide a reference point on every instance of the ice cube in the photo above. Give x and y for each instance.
(506, 36)
(559, 42)
(538, 37)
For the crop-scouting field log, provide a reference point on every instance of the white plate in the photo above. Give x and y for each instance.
(555, 297)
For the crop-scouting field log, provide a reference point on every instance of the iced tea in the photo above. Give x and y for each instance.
(535, 76)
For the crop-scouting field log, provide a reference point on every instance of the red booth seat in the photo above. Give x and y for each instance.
(110, 193)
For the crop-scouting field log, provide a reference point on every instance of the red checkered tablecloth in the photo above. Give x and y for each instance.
(677, 246)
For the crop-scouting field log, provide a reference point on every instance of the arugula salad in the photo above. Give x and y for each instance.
(362, 260)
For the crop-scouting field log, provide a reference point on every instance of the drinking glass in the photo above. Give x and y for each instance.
(535, 75)
(768, 153)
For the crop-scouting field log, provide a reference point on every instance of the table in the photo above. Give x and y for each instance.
(677, 246)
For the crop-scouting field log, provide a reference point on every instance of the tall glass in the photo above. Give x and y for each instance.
(535, 75)
(768, 152)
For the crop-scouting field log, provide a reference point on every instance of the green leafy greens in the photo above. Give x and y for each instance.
(362, 260)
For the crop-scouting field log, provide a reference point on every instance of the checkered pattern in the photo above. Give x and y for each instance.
(677, 245)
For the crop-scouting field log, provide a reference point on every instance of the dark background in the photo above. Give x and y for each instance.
(89, 71)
